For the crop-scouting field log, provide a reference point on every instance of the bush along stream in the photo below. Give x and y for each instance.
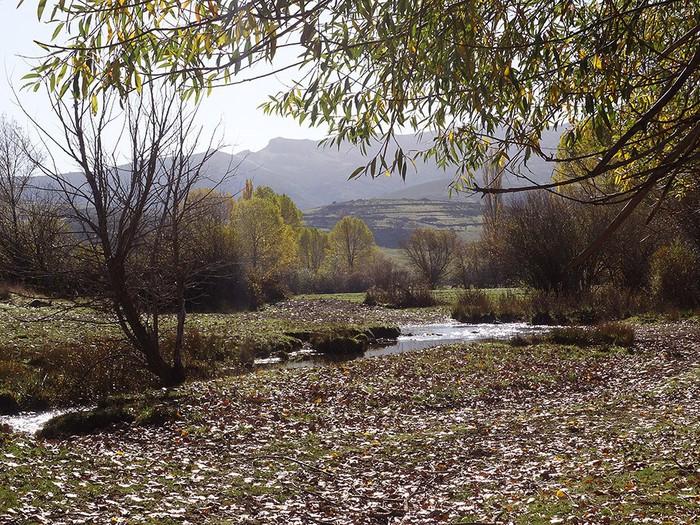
(46, 382)
(333, 343)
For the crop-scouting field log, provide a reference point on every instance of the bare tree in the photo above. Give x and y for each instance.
(16, 168)
(471, 264)
(431, 253)
(536, 238)
(132, 221)
(31, 227)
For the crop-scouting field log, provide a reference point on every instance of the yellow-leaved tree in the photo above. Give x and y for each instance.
(351, 244)
(265, 244)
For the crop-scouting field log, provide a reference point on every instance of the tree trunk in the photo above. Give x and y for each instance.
(169, 375)
(178, 368)
(145, 342)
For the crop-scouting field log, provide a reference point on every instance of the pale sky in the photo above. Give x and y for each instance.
(233, 108)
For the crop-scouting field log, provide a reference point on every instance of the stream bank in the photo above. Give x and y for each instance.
(326, 348)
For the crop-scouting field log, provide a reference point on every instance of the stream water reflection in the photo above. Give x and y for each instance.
(412, 338)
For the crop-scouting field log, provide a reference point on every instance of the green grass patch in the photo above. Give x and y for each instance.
(351, 297)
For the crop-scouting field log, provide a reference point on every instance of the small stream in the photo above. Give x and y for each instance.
(31, 422)
(412, 338)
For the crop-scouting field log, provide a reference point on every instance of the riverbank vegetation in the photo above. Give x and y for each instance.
(160, 243)
(50, 360)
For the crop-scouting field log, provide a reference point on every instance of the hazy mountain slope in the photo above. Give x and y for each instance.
(537, 171)
(314, 176)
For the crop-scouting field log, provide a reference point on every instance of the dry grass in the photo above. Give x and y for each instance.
(605, 303)
(409, 296)
(604, 335)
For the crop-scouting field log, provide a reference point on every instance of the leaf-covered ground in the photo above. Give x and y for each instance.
(486, 433)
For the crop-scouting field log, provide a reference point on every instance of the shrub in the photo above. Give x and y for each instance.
(202, 347)
(534, 240)
(675, 276)
(262, 291)
(340, 341)
(548, 308)
(615, 334)
(618, 334)
(613, 302)
(606, 334)
(397, 289)
(406, 296)
(474, 306)
(305, 281)
(511, 307)
(70, 372)
(341, 345)
(156, 416)
(602, 303)
(251, 348)
(202, 352)
(84, 372)
(415, 296)
(526, 340)
(84, 422)
(384, 332)
(88, 372)
(377, 270)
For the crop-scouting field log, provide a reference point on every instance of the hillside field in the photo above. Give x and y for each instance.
(393, 220)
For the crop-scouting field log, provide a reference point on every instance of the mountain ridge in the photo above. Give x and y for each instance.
(315, 176)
